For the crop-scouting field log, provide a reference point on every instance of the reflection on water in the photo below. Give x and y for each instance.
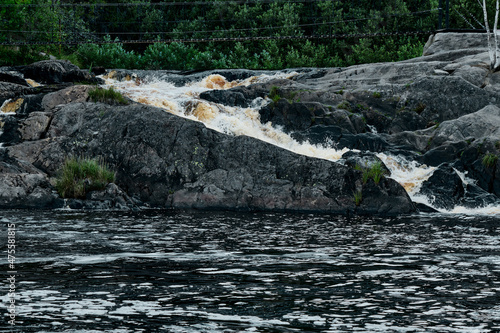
(238, 272)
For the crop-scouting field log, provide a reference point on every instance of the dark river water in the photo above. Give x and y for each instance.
(251, 272)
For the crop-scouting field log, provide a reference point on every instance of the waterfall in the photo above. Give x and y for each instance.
(185, 102)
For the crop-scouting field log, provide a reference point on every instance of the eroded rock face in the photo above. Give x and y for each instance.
(182, 164)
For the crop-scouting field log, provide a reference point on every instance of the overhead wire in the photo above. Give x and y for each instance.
(92, 37)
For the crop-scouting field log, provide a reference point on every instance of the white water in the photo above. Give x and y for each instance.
(185, 102)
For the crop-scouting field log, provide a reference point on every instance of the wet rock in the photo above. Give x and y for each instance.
(363, 160)
(378, 199)
(444, 153)
(23, 190)
(444, 187)
(476, 197)
(364, 141)
(292, 116)
(239, 96)
(9, 130)
(12, 77)
(320, 134)
(112, 197)
(56, 71)
(31, 103)
(11, 90)
(182, 164)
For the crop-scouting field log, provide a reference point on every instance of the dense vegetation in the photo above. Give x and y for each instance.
(72, 21)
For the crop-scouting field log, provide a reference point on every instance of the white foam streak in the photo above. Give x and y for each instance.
(410, 174)
(185, 102)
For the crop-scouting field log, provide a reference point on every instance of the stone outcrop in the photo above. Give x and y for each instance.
(441, 109)
(182, 164)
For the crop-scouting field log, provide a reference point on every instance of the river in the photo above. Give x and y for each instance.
(189, 271)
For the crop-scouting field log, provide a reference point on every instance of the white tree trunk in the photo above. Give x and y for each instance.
(495, 34)
(491, 49)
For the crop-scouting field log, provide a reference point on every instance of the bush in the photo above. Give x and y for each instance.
(10, 56)
(78, 176)
(109, 96)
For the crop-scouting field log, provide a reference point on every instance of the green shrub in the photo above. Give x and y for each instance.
(78, 176)
(489, 160)
(376, 94)
(109, 96)
(10, 56)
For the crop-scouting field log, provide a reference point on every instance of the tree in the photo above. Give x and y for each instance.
(493, 48)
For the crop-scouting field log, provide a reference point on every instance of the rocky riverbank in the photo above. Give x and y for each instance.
(441, 109)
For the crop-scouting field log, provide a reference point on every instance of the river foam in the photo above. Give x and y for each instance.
(185, 101)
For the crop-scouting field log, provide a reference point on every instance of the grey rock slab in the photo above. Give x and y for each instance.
(169, 161)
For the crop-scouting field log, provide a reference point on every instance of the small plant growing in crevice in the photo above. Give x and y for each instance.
(274, 94)
(78, 176)
(109, 96)
(490, 160)
(420, 108)
(375, 172)
(345, 106)
(376, 94)
(358, 197)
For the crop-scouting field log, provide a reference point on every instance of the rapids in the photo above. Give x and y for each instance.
(185, 102)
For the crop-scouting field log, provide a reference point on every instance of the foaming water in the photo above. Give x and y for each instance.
(185, 102)
(9, 105)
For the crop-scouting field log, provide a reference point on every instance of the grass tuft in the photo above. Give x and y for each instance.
(274, 94)
(489, 160)
(78, 176)
(109, 96)
(358, 197)
(375, 172)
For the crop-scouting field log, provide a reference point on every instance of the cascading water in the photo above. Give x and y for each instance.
(185, 102)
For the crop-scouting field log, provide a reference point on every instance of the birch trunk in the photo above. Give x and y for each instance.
(495, 34)
(491, 50)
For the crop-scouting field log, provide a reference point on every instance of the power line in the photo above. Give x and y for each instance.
(230, 39)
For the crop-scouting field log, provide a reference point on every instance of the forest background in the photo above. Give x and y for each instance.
(194, 35)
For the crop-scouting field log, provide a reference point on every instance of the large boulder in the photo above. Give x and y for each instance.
(475, 126)
(447, 190)
(56, 71)
(180, 163)
(448, 42)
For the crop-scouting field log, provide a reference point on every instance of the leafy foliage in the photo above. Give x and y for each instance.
(153, 20)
